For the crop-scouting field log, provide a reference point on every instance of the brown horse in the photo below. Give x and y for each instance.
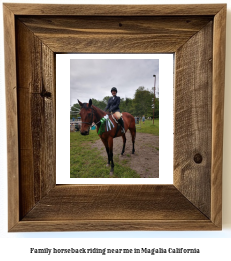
(90, 113)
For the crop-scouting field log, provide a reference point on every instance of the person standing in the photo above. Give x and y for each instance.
(143, 119)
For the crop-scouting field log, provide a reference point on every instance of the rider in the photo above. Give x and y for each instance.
(113, 106)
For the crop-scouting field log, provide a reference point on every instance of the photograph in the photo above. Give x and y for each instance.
(114, 118)
(110, 126)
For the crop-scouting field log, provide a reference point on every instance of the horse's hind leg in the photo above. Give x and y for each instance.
(124, 143)
(133, 134)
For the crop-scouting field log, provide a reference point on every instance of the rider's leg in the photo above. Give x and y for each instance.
(121, 122)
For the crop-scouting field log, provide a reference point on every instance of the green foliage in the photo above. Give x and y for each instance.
(126, 105)
(100, 104)
(156, 110)
(140, 105)
(142, 102)
(105, 100)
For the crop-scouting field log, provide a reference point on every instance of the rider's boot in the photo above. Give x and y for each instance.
(121, 122)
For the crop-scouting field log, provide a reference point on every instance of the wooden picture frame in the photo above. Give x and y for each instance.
(33, 34)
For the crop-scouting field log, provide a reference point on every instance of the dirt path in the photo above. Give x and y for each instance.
(145, 161)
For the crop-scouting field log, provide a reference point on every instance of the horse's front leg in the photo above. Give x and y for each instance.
(110, 146)
(107, 150)
(108, 158)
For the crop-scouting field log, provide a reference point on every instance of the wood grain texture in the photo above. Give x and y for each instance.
(114, 225)
(193, 113)
(194, 201)
(114, 34)
(113, 202)
(218, 114)
(11, 117)
(114, 207)
(114, 10)
(35, 66)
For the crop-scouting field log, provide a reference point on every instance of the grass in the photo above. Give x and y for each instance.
(85, 161)
(148, 127)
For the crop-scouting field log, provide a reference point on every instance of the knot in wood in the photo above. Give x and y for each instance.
(198, 158)
(45, 94)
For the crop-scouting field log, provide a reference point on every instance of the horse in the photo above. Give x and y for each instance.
(91, 114)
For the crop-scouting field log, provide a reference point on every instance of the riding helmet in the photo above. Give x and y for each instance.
(114, 89)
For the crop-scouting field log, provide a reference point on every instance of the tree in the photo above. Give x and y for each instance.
(156, 110)
(142, 102)
(99, 104)
(105, 100)
(126, 105)
(140, 105)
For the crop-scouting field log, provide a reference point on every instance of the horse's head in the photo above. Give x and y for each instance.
(86, 114)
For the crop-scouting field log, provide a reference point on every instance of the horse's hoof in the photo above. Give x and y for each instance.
(107, 165)
(122, 154)
(111, 173)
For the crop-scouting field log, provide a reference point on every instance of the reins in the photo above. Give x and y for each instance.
(99, 122)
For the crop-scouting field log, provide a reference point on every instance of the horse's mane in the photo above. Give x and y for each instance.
(99, 109)
(85, 106)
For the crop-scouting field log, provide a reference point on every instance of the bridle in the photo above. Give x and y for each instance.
(92, 116)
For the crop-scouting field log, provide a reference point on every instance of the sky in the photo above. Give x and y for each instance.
(94, 78)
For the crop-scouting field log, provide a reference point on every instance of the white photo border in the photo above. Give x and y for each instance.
(166, 111)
